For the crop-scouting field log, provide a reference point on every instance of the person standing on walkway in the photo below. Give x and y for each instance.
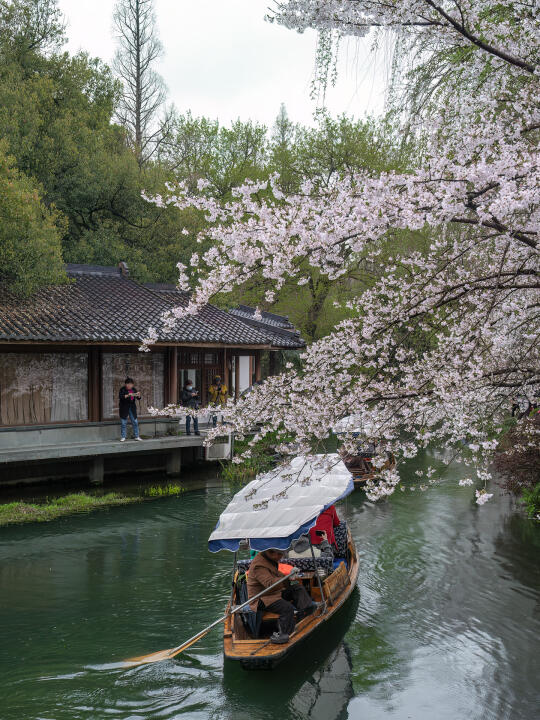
(190, 399)
(218, 394)
(128, 397)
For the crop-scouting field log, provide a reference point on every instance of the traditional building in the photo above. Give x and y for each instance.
(64, 354)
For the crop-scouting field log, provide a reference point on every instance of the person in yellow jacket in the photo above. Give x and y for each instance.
(218, 394)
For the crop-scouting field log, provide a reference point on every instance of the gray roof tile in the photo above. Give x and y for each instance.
(279, 331)
(100, 304)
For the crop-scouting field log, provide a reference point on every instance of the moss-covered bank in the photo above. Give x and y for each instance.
(53, 508)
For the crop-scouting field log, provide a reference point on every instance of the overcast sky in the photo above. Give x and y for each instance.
(224, 61)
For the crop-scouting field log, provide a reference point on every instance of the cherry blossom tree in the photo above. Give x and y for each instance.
(438, 348)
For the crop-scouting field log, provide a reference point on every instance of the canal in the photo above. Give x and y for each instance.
(444, 625)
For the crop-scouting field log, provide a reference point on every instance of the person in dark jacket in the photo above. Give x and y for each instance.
(190, 399)
(128, 397)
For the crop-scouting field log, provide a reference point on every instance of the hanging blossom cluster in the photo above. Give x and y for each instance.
(444, 341)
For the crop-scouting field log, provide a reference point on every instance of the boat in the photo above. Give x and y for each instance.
(269, 513)
(361, 463)
(362, 468)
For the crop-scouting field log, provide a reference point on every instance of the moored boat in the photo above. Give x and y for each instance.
(270, 513)
(362, 468)
(361, 462)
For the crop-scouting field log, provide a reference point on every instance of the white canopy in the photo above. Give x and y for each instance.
(279, 506)
(356, 424)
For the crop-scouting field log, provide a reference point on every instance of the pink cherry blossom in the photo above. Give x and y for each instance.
(435, 352)
(482, 497)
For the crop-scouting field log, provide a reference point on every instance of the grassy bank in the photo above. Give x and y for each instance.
(263, 458)
(51, 509)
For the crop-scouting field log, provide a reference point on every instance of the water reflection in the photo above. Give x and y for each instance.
(315, 683)
(445, 623)
(326, 694)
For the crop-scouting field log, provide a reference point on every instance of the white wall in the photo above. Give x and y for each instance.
(245, 379)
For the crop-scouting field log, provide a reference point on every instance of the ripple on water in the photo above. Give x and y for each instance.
(444, 625)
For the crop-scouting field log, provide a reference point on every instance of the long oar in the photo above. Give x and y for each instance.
(171, 652)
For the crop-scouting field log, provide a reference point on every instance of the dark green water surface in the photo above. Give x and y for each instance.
(444, 625)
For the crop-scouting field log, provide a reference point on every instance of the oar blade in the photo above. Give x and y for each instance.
(150, 658)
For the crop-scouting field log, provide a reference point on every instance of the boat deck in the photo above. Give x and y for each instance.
(259, 653)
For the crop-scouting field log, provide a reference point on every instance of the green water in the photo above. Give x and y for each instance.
(444, 624)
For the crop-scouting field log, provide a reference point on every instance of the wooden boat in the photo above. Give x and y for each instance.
(360, 464)
(269, 513)
(260, 653)
(362, 468)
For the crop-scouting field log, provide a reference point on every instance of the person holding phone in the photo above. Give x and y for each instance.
(127, 407)
(190, 399)
(324, 527)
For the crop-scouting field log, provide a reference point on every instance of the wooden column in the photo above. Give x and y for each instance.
(225, 377)
(173, 375)
(236, 377)
(257, 365)
(94, 384)
(272, 363)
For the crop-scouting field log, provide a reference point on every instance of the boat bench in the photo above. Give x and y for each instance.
(265, 614)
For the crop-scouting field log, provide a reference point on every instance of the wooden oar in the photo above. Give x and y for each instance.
(172, 652)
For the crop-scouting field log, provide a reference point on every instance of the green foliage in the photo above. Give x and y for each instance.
(30, 233)
(283, 151)
(517, 461)
(199, 148)
(334, 148)
(263, 458)
(164, 490)
(57, 119)
(531, 499)
(242, 473)
(30, 26)
(341, 147)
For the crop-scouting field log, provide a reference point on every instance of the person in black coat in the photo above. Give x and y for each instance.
(190, 399)
(128, 397)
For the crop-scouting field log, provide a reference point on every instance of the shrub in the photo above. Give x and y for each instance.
(518, 462)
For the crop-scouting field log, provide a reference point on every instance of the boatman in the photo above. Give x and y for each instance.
(283, 599)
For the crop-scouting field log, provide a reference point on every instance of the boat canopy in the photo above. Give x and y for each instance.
(354, 424)
(279, 506)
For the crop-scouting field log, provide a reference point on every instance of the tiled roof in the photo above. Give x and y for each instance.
(102, 304)
(229, 327)
(268, 318)
(279, 331)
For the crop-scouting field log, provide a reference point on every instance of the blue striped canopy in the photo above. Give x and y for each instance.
(279, 506)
